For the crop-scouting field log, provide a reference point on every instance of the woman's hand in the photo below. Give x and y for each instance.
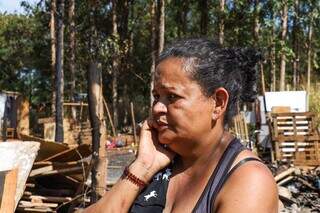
(151, 154)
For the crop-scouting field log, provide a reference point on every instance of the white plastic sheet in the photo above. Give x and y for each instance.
(296, 100)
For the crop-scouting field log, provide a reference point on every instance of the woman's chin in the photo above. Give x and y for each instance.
(163, 139)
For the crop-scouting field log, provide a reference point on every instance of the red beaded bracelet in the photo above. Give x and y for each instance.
(132, 178)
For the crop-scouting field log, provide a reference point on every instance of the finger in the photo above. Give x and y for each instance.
(145, 130)
(152, 123)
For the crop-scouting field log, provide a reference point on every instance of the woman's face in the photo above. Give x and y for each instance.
(181, 111)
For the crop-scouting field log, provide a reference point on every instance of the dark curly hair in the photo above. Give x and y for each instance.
(213, 66)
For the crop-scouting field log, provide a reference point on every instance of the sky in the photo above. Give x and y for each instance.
(13, 6)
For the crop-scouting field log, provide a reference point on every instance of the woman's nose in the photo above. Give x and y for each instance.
(159, 108)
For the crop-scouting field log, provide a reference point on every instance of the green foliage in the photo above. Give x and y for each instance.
(25, 42)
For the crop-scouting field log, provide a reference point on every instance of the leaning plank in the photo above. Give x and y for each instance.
(47, 148)
(71, 170)
(285, 180)
(50, 198)
(23, 203)
(9, 191)
(28, 209)
(39, 171)
(73, 154)
(285, 174)
(38, 165)
(56, 166)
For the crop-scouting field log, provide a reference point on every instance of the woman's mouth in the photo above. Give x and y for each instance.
(161, 125)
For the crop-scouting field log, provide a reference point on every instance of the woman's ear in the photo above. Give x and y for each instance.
(221, 98)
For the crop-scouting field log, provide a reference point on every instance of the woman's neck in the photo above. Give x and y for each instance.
(207, 153)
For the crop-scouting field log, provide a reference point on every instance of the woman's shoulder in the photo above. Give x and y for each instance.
(250, 188)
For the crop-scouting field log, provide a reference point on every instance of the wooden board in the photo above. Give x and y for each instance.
(74, 154)
(280, 109)
(8, 186)
(47, 148)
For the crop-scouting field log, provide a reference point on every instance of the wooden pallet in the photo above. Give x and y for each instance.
(295, 138)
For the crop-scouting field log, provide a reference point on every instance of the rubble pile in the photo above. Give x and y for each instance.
(57, 179)
(60, 179)
(299, 189)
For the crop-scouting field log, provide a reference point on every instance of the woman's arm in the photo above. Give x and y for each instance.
(151, 158)
(251, 188)
(122, 194)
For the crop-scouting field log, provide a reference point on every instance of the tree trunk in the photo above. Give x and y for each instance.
(256, 34)
(284, 17)
(295, 44)
(204, 17)
(153, 47)
(53, 54)
(183, 8)
(72, 57)
(272, 53)
(221, 21)
(161, 24)
(273, 79)
(309, 54)
(95, 101)
(59, 76)
(157, 37)
(125, 65)
(115, 65)
(256, 27)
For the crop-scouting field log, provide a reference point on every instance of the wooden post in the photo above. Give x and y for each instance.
(109, 116)
(95, 101)
(9, 192)
(133, 123)
(53, 54)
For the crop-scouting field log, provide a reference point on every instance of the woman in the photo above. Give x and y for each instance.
(187, 161)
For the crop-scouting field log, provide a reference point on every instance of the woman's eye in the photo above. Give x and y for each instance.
(172, 97)
(156, 97)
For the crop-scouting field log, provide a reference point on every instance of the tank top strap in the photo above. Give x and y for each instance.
(207, 198)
